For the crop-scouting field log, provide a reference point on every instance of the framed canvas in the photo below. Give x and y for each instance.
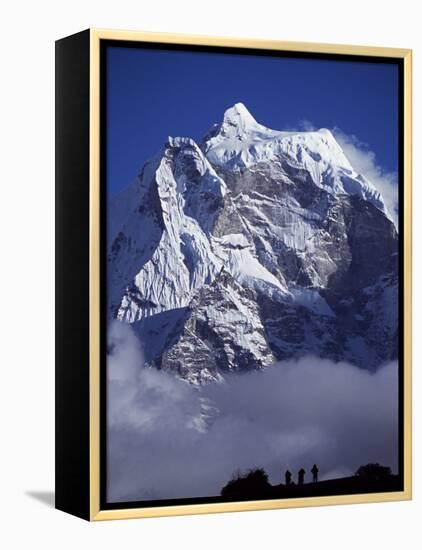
(233, 274)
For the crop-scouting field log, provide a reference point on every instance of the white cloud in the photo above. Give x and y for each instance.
(306, 125)
(167, 439)
(364, 161)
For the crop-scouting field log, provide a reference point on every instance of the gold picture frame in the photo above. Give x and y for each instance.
(92, 509)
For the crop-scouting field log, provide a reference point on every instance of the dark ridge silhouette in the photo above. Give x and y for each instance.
(254, 484)
(374, 471)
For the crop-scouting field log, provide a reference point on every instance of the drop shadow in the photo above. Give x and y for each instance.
(45, 497)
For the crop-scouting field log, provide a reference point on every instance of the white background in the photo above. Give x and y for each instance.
(27, 272)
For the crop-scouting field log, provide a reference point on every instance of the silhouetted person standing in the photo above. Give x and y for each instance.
(301, 476)
(314, 473)
(288, 477)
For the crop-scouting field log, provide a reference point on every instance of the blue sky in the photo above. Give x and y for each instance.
(152, 94)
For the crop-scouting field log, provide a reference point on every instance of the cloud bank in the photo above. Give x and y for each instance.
(167, 439)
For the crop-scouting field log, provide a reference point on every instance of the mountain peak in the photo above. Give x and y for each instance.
(257, 202)
(238, 115)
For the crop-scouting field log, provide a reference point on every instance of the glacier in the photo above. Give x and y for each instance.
(252, 247)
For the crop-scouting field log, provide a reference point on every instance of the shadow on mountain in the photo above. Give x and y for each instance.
(254, 485)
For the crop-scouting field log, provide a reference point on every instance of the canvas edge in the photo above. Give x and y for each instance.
(71, 369)
(96, 514)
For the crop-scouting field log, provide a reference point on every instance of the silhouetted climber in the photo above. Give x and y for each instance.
(288, 477)
(314, 473)
(301, 476)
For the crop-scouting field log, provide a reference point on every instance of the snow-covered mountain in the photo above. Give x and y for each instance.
(252, 247)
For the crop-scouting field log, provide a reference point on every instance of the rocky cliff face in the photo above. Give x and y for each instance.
(253, 247)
